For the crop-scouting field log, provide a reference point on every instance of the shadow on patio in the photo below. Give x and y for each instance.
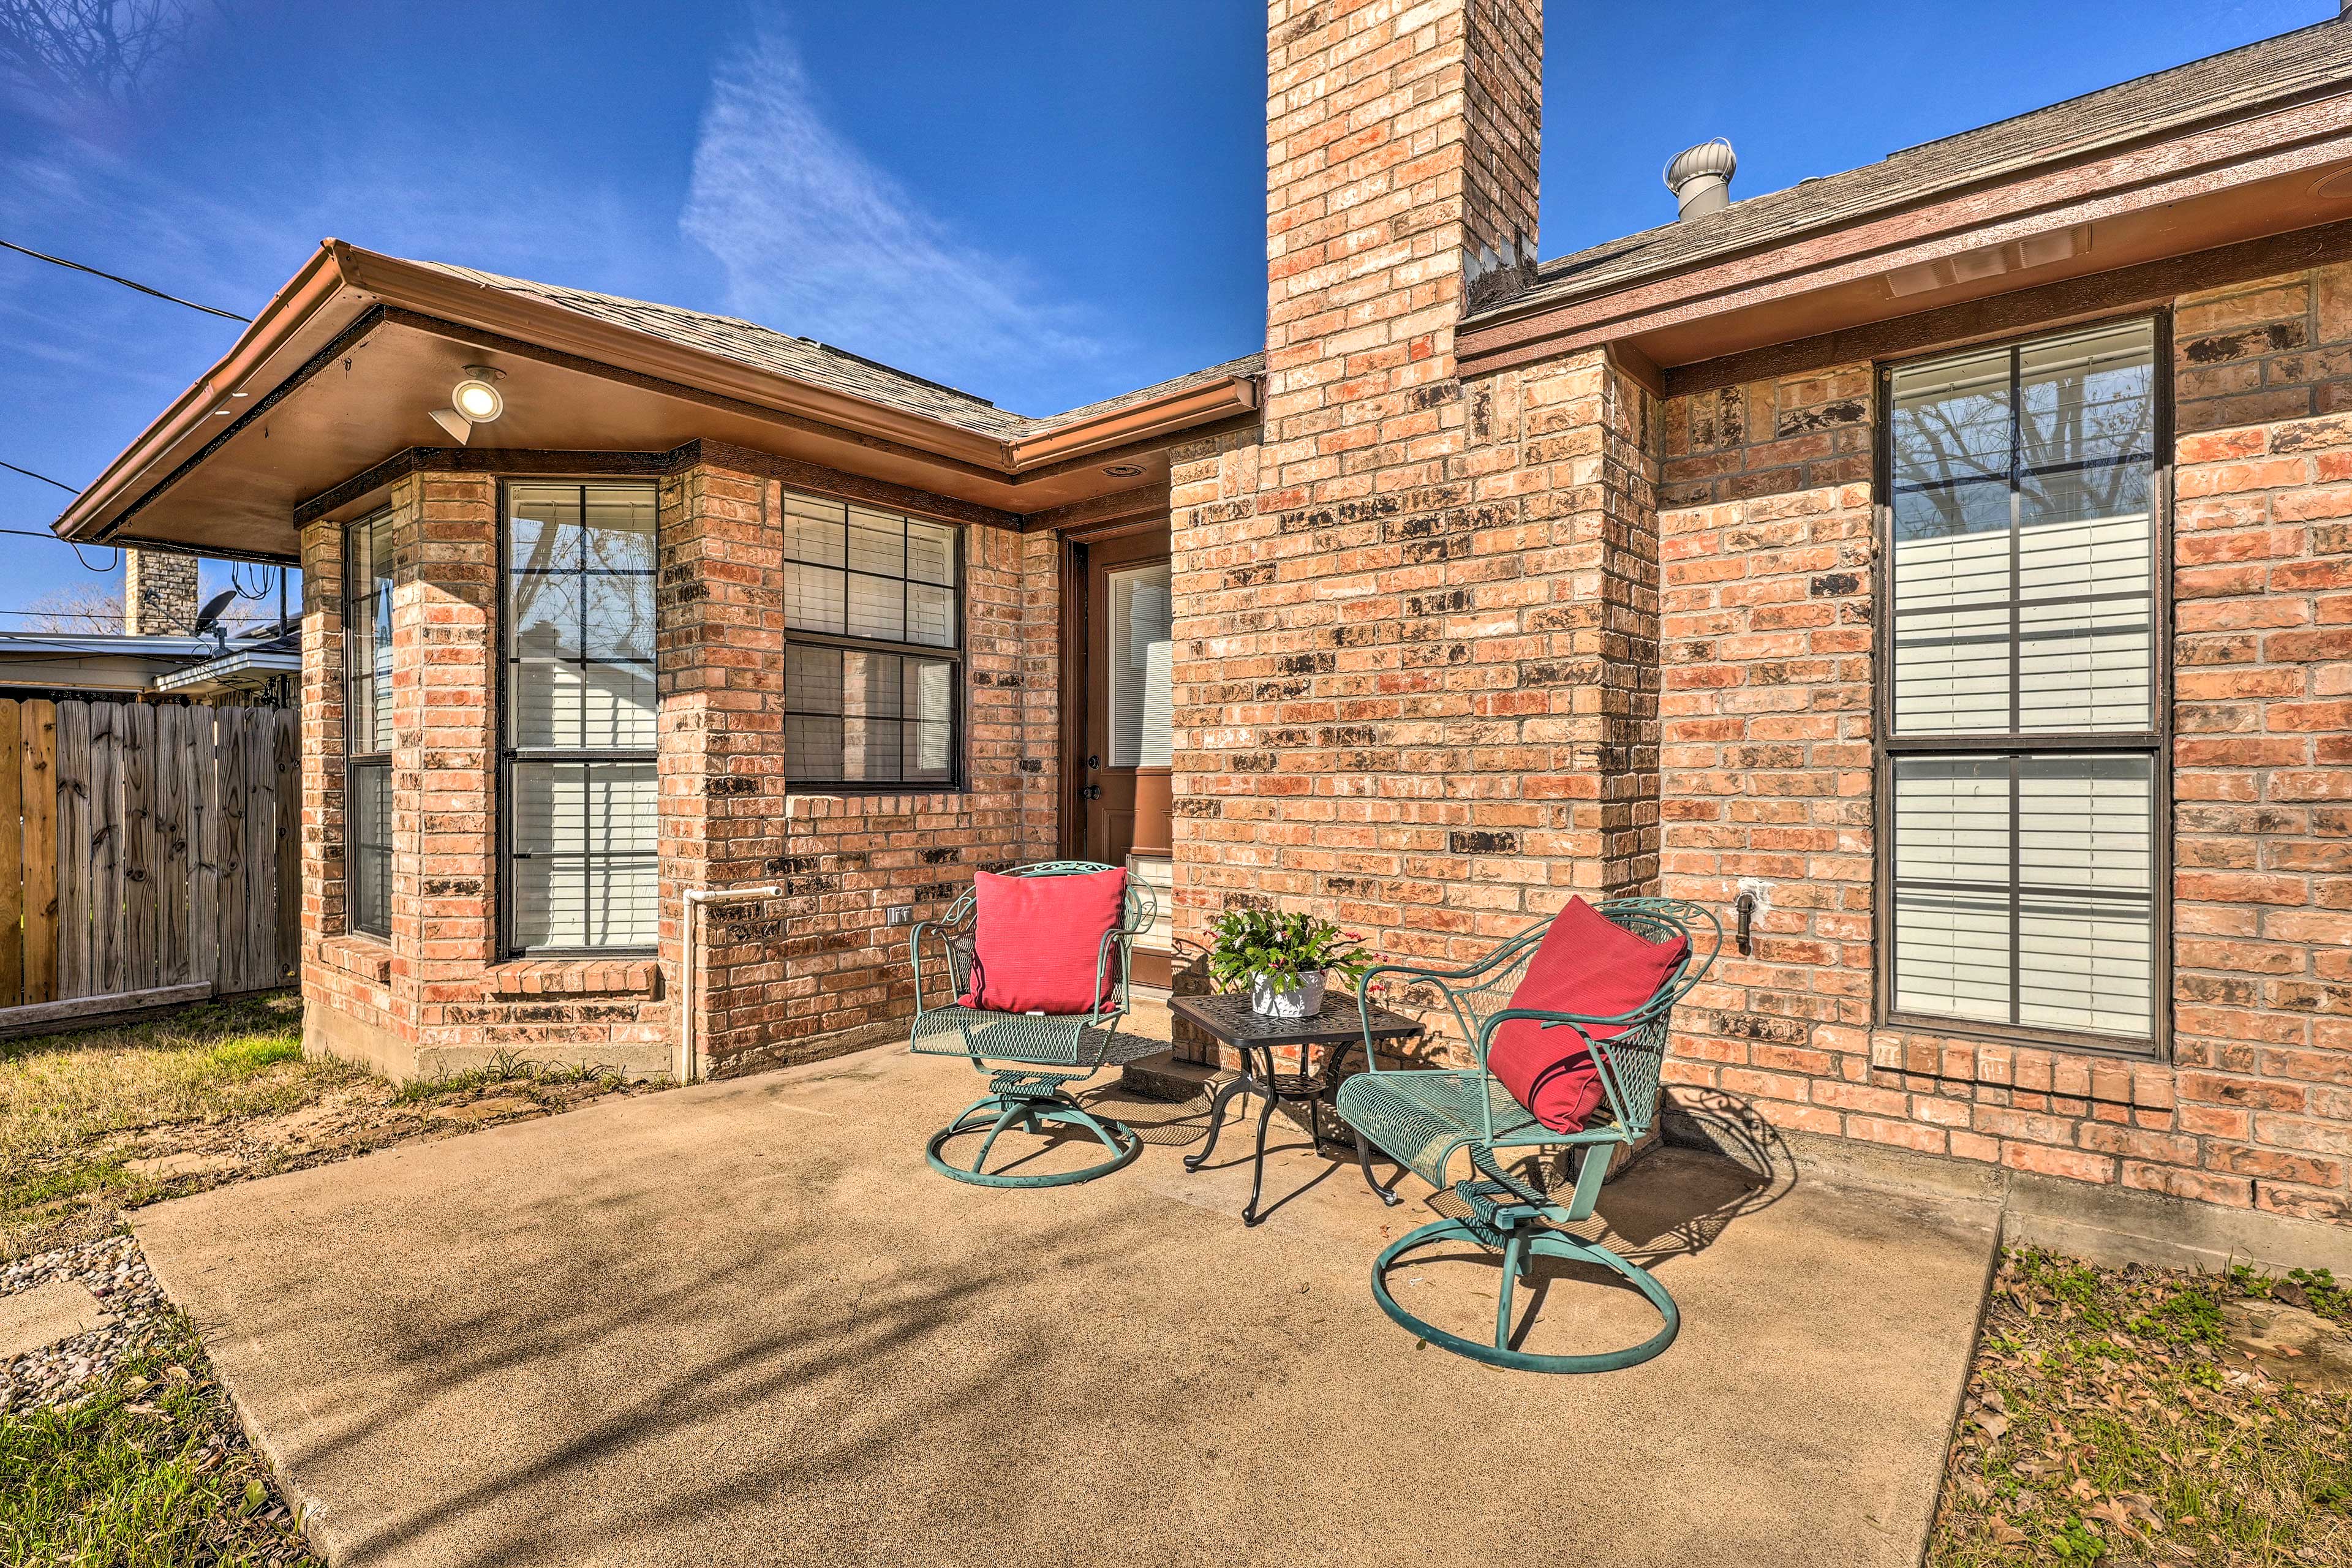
(743, 1322)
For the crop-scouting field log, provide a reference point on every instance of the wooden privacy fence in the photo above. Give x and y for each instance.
(147, 854)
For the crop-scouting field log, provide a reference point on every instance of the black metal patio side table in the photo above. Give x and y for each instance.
(1336, 1027)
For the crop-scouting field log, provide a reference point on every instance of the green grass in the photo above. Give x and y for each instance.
(148, 1470)
(73, 1106)
(79, 1111)
(505, 1069)
(2110, 1421)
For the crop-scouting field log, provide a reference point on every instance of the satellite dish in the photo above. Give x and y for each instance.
(213, 609)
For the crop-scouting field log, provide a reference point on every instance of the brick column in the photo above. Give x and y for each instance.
(323, 832)
(444, 753)
(723, 807)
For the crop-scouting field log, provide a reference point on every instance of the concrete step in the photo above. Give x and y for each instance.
(1162, 1077)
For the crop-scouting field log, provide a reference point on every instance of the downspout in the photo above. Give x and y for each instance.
(689, 1064)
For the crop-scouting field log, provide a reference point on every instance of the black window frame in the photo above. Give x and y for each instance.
(357, 762)
(954, 656)
(1889, 748)
(501, 715)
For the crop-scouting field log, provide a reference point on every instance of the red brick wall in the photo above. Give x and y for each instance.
(778, 974)
(824, 960)
(2263, 712)
(1768, 546)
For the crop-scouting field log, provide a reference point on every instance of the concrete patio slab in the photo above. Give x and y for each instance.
(743, 1323)
(38, 1318)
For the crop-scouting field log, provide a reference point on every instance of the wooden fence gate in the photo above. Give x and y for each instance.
(147, 854)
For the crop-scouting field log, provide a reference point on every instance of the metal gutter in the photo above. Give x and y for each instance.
(1178, 410)
(288, 312)
(375, 281)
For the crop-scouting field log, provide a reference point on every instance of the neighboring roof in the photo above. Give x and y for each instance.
(34, 645)
(237, 671)
(805, 359)
(94, 661)
(2312, 60)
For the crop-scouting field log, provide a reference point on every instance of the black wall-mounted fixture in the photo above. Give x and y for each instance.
(1746, 904)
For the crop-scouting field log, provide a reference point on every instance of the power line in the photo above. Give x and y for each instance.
(127, 283)
(43, 477)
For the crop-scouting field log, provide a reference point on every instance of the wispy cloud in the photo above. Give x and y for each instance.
(817, 240)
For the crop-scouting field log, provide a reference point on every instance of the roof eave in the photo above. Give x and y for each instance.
(1179, 410)
(377, 278)
(289, 311)
(1541, 299)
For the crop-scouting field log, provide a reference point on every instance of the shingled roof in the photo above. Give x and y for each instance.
(805, 359)
(2311, 62)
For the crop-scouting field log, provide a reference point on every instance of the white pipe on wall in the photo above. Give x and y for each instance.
(690, 1065)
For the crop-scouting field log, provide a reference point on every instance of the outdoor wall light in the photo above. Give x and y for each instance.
(473, 401)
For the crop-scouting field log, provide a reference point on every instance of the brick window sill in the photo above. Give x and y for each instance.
(809, 803)
(2033, 1077)
(366, 957)
(575, 977)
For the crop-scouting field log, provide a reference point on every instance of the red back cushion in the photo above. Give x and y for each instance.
(1036, 940)
(1590, 966)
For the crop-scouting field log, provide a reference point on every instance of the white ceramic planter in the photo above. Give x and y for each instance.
(1302, 1001)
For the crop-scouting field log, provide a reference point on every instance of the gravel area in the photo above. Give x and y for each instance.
(115, 1273)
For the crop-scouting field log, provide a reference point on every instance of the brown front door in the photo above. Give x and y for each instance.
(1122, 770)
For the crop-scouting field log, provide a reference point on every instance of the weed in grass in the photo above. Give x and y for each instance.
(2109, 1420)
(507, 1068)
(255, 1052)
(147, 1470)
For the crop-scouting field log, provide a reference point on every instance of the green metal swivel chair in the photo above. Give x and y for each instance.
(1420, 1119)
(1031, 1058)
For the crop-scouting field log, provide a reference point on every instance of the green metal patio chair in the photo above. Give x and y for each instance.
(1420, 1118)
(1029, 1058)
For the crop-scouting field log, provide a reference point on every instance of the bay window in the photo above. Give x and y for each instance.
(578, 777)
(367, 725)
(2022, 747)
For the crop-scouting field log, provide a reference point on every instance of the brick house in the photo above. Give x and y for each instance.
(1953, 555)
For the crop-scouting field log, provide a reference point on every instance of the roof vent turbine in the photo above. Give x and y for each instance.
(1701, 178)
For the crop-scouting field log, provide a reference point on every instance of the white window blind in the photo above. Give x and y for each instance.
(2024, 890)
(2024, 558)
(580, 797)
(367, 723)
(1141, 672)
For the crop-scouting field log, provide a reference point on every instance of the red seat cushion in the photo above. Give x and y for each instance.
(1586, 964)
(1036, 941)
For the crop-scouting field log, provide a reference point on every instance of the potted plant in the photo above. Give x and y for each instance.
(1286, 960)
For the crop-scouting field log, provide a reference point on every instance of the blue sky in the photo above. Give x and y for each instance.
(1044, 203)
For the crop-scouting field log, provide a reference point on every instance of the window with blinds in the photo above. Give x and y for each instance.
(367, 725)
(2022, 743)
(874, 669)
(579, 790)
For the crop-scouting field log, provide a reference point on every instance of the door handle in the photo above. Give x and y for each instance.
(1092, 792)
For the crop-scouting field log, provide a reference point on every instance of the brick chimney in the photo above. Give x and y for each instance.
(159, 593)
(1415, 616)
(1400, 141)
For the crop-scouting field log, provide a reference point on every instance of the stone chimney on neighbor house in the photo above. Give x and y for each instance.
(159, 593)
